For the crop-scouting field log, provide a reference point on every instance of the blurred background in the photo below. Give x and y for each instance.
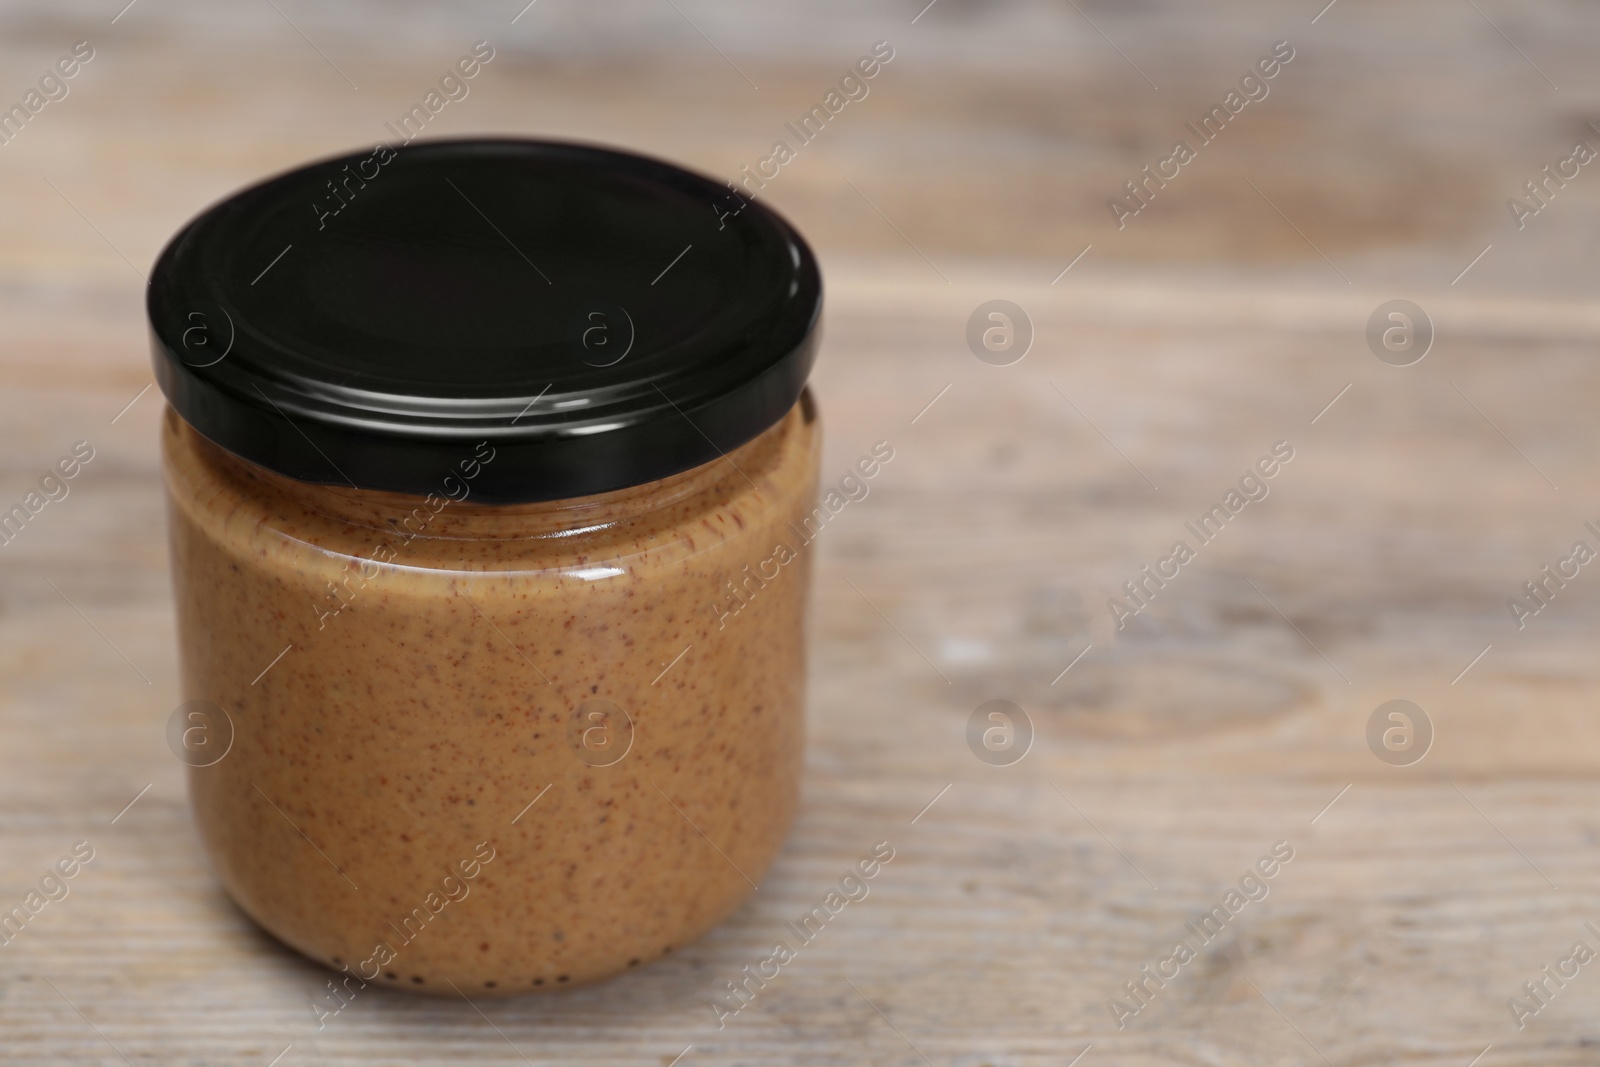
(1174, 341)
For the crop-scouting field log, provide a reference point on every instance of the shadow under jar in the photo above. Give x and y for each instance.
(489, 468)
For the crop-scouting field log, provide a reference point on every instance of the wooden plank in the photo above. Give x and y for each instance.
(1229, 715)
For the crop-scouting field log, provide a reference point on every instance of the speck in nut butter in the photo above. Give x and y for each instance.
(461, 482)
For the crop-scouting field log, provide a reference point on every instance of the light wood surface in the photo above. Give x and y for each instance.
(1229, 716)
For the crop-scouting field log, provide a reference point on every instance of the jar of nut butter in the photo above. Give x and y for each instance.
(489, 465)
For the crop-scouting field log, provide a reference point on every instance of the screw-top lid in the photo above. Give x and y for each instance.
(602, 319)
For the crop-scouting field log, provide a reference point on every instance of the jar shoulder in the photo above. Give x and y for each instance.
(259, 516)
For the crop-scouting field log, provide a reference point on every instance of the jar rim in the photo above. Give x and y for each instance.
(455, 512)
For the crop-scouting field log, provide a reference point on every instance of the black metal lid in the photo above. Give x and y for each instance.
(600, 318)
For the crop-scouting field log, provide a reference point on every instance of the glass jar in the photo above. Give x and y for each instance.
(491, 582)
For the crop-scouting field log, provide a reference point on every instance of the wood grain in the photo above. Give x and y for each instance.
(1229, 715)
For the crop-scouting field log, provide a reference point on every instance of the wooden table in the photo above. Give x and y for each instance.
(1229, 715)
